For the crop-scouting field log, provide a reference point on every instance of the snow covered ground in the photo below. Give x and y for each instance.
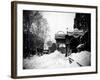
(57, 60)
(83, 58)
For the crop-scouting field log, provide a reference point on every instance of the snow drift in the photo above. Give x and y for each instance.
(57, 60)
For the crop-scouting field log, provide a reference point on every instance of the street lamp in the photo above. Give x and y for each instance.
(67, 30)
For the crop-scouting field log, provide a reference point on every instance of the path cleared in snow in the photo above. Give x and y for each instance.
(56, 60)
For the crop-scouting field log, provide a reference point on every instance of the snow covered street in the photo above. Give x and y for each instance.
(57, 60)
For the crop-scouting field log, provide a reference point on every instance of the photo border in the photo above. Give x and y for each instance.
(14, 37)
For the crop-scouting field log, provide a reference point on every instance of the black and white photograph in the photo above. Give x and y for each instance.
(53, 39)
(56, 39)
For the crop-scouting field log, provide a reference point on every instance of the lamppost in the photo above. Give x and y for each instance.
(67, 42)
(67, 30)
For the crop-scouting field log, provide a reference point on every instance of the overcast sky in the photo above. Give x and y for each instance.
(58, 21)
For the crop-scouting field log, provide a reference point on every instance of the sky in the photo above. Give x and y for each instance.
(59, 21)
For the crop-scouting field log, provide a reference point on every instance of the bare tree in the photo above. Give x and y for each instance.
(35, 30)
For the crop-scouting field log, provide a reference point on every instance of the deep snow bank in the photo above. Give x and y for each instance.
(56, 60)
